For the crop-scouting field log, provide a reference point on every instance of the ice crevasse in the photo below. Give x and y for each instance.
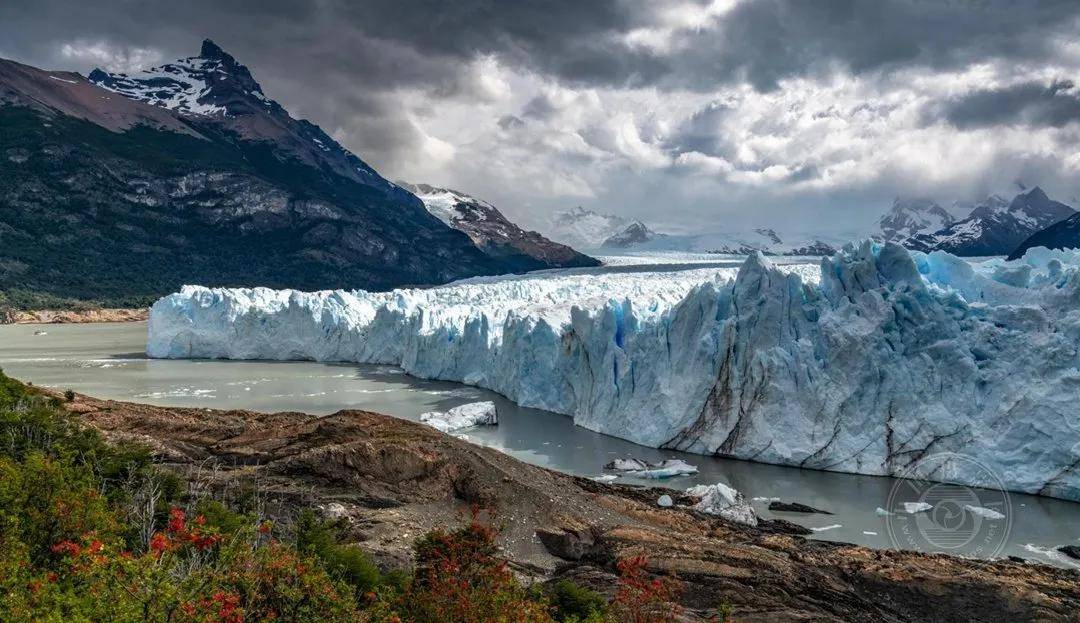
(869, 363)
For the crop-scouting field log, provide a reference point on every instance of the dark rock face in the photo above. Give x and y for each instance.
(795, 507)
(125, 191)
(495, 234)
(1061, 235)
(995, 227)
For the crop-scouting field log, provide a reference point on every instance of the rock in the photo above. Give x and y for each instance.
(665, 501)
(567, 543)
(1072, 551)
(795, 507)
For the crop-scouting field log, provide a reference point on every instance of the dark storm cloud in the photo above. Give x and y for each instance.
(390, 42)
(1031, 104)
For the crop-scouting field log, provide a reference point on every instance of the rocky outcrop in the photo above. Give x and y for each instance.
(388, 481)
(1061, 235)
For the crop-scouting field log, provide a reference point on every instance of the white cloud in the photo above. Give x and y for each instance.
(108, 56)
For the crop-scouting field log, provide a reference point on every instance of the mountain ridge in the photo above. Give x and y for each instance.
(117, 200)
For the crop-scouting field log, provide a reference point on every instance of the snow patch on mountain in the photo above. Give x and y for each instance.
(864, 363)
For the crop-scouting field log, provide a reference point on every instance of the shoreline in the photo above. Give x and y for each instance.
(389, 479)
(87, 316)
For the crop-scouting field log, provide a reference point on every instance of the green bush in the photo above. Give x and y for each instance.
(575, 603)
(347, 562)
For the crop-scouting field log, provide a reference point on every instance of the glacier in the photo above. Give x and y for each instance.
(867, 362)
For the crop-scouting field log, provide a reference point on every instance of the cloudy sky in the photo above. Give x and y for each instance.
(682, 112)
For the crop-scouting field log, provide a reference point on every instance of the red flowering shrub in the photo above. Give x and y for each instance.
(459, 577)
(644, 599)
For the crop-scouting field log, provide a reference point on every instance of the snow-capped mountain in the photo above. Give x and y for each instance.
(585, 229)
(1061, 235)
(994, 227)
(189, 173)
(910, 217)
(213, 87)
(494, 233)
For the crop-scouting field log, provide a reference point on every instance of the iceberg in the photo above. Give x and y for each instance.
(723, 501)
(867, 362)
(464, 416)
(668, 468)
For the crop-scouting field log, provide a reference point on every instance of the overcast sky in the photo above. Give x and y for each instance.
(727, 112)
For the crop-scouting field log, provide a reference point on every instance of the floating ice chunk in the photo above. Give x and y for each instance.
(605, 478)
(869, 533)
(665, 501)
(764, 499)
(828, 527)
(668, 468)
(881, 512)
(627, 465)
(916, 507)
(982, 511)
(723, 501)
(464, 416)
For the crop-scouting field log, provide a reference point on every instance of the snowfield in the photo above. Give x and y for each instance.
(865, 363)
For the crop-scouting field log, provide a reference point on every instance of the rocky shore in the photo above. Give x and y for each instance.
(50, 316)
(392, 480)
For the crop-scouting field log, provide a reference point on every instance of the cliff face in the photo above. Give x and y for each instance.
(111, 196)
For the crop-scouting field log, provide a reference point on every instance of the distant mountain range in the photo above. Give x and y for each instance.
(587, 229)
(493, 233)
(120, 188)
(994, 226)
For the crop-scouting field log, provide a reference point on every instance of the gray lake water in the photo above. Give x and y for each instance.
(108, 361)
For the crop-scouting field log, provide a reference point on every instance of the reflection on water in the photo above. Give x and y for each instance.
(107, 361)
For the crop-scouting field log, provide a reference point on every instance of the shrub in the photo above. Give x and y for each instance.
(348, 563)
(460, 578)
(69, 395)
(575, 603)
(644, 599)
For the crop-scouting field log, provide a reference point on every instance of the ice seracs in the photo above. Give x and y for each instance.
(865, 363)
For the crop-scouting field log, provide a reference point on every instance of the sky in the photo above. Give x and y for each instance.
(684, 113)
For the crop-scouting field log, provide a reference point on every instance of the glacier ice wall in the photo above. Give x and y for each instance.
(874, 360)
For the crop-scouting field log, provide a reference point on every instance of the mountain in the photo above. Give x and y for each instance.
(585, 229)
(910, 217)
(995, 227)
(493, 233)
(122, 188)
(1061, 235)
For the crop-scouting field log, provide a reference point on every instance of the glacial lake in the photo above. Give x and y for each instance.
(108, 361)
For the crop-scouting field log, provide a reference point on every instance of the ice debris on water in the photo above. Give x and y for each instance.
(982, 511)
(464, 416)
(916, 507)
(668, 468)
